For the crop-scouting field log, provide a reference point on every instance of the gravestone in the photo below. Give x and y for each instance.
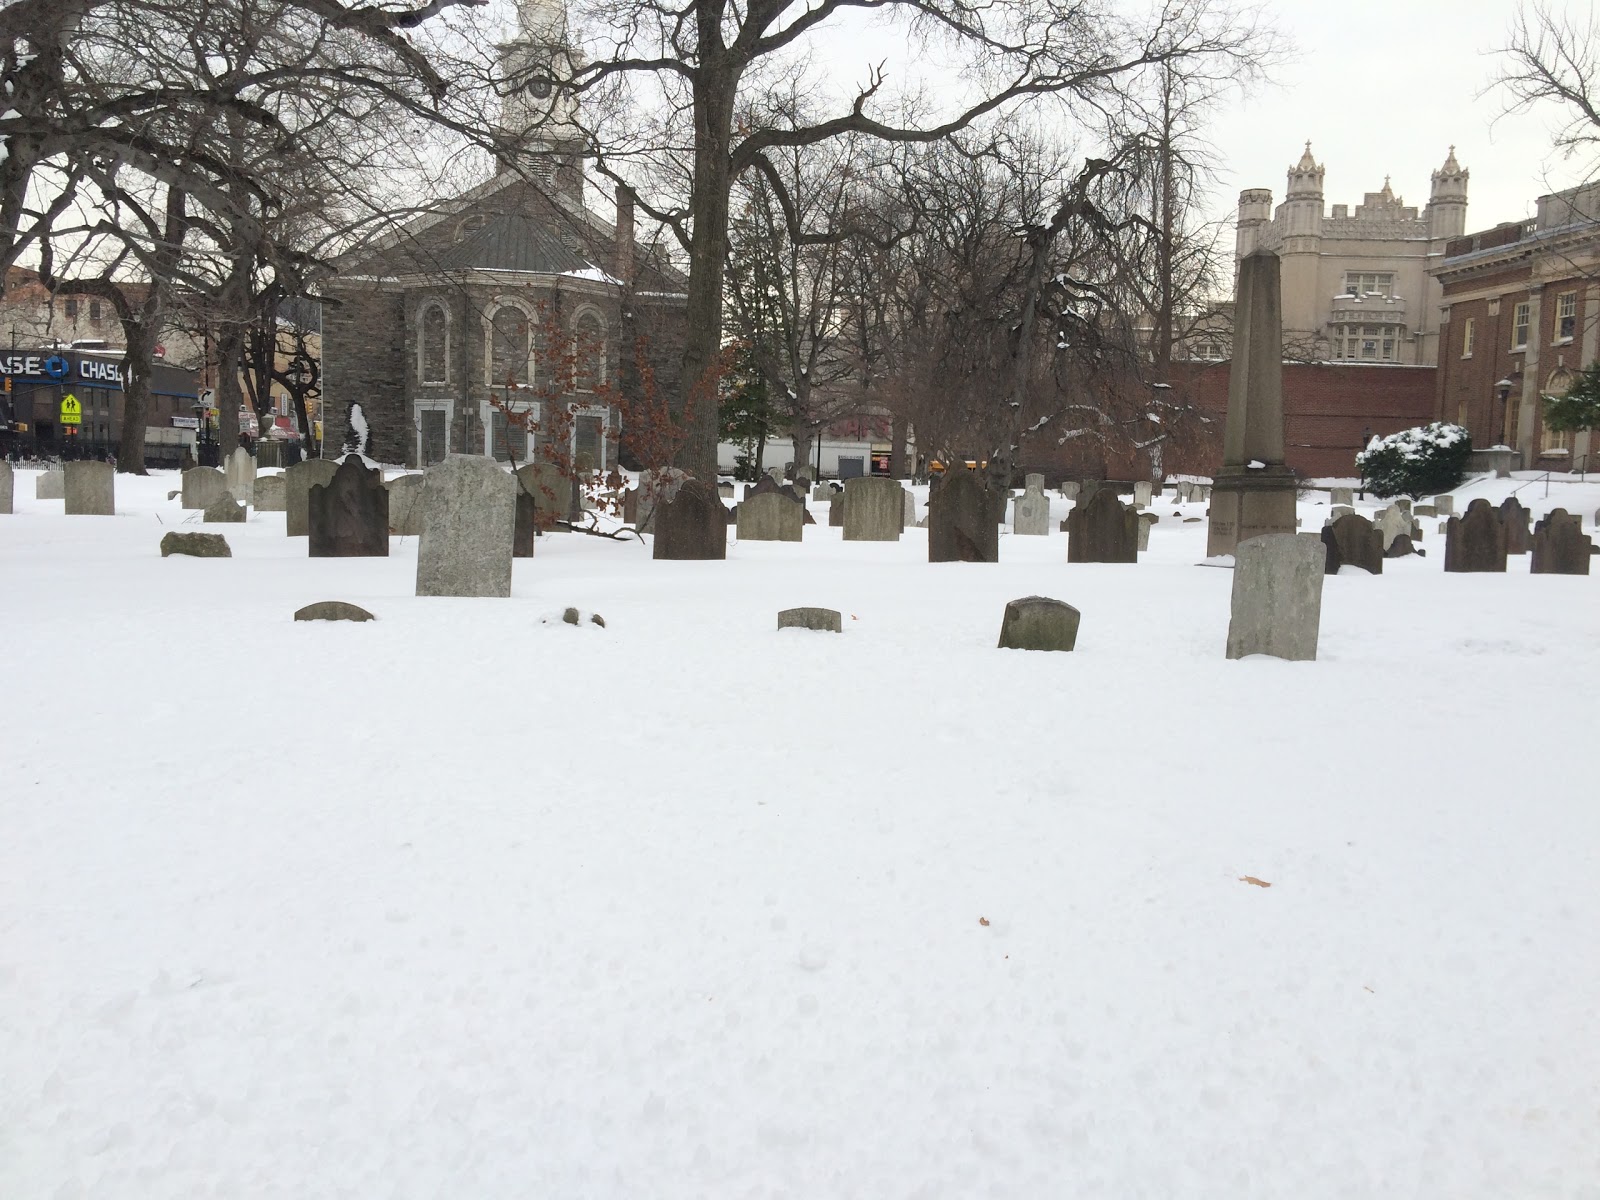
(775, 474)
(1425, 510)
(1039, 623)
(550, 490)
(908, 512)
(348, 517)
(405, 504)
(1146, 520)
(1559, 546)
(1087, 488)
(298, 481)
(268, 454)
(468, 510)
(195, 545)
(49, 484)
(1392, 523)
(961, 524)
(1476, 540)
(826, 620)
(1341, 496)
(725, 490)
(1352, 541)
(691, 525)
(1515, 518)
(836, 511)
(1030, 516)
(654, 487)
(1254, 493)
(524, 527)
(269, 493)
(202, 486)
(769, 518)
(874, 509)
(1141, 493)
(241, 475)
(1446, 505)
(1342, 510)
(821, 494)
(8, 483)
(1400, 547)
(1103, 531)
(224, 510)
(1068, 489)
(90, 489)
(1277, 596)
(333, 610)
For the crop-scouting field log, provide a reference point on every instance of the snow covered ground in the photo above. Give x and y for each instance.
(467, 902)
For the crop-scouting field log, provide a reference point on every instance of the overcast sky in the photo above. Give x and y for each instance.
(1385, 87)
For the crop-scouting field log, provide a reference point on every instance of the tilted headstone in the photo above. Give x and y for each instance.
(1141, 493)
(90, 489)
(224, 510)
(1277, 596)
(961, 524)
(1515, 518)
(49, 484)
(405, 504)
(1103, 531)
(1352, 541)
(298, 481)
(202, 486)
(692, 525)
(240, 470)
(827, 620)
(468, 508)
(349, 516)
(1039, 623)
(1341, 496)
(1559, 546)
(874, 509)
(550, 489)
(270, 493)
(1476, 540)
(1030, 516)
(8, 483)
(1146, 520)
(769, 518)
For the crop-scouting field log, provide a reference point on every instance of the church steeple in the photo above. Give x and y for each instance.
(535, 109)
(1447, 201)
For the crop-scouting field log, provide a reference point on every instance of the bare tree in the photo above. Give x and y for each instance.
(1551, 64)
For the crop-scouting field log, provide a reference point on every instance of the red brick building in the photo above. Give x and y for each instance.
(1521, 317)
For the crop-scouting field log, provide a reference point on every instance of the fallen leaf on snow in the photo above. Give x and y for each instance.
(1254, 880)
(983, 920)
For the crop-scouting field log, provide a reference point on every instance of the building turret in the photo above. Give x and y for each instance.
(1255, 214)
(1301, 214)
(535, 109)
(1447, 202)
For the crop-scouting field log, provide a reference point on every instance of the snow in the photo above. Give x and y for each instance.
(594, 273)
(358, 428)
(469, 901)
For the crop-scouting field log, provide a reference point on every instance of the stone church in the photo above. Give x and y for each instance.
(459, 307)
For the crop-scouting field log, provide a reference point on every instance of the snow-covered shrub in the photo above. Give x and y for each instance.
(1416, 462)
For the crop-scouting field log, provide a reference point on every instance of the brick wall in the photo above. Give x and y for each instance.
(363, 361)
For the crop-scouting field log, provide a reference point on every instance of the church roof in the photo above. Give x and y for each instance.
(513, 242)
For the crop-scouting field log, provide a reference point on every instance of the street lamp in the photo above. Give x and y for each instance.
(1504, 388)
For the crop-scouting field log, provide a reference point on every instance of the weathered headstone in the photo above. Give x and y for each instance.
(550, 490)
(1446, 505)
(821, 494)
(332, 610)
(1103, 531)
(298, 481)
(202, 486)
(49, 484)
(1146, 520)
(1341, 510)
(1341, 496)
(769, 518)
(1030, 516)
(1141, 493)
(874, 509)
(1515, 518)
(348, 517)
(1254, 493)
(1559, 546)
(827, 620)
(468, 509)
(8, 483)
(1068, 489)
(270, 492)
(224, 510)
(525, 528)
(1277, 596)
(1400, 547)
(90, 489)
(1039, 623)
(1424, 510)
(1393, 522)
(405, 504)
(908, 513)
(692, 525)
(1476, 540)
(639, 506)
(240, 470)
(725, 490)
(195, 545)
(961, 524)
(836, 511)
(1352, 541)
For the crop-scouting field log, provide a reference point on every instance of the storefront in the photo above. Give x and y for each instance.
(68, 403)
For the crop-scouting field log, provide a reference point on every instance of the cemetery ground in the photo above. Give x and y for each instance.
(468, 901)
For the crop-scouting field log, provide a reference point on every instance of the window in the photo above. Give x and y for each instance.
(1468, 328)
(1369, 283)
(94, 311)
(1209, 351)
(1519, 325)
(510, 348)
(589, 352)
(1366, 343)
(1566, 316)
(435, 365)
(69, 308)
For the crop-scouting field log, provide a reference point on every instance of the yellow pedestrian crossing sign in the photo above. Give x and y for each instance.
(71, 410)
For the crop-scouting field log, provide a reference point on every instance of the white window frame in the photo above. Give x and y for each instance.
(1382, 283)
(422, 341)
(447, 406)
(500, 303)
(1521, 320)
(1469, 329)
(603, 372)
(1566, 311)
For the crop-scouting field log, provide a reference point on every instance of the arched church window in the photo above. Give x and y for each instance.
(435, 345)
(510, 348)
(470, 224)
(589, 351)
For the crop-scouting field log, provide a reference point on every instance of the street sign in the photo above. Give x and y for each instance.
(71, 410)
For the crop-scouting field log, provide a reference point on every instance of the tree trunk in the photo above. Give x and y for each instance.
(897, 447)
(140, 334)
(230, 354)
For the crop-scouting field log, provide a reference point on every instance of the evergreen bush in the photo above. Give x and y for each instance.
(1416, 462)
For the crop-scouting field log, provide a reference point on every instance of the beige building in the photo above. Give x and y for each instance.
(1356, 285)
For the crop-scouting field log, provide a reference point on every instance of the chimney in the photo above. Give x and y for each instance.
(624, 270)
